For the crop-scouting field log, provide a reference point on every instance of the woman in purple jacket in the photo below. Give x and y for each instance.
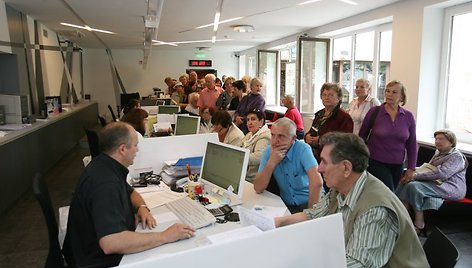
(250, 102)
(442, 178)
(393, 132)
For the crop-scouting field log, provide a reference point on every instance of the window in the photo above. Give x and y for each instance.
(362, 55)
(458, 75)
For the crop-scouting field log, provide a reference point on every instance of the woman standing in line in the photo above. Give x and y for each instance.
(330, 118)
(253, 100)
(360, 105)
(393, 133)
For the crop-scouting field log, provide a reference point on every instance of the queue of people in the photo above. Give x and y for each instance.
(359, 154)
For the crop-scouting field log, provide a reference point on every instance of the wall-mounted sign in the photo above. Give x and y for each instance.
(199, 63)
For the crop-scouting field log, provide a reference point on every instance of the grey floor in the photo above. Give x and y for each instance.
(23, 233)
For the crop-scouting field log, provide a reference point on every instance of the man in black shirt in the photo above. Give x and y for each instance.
(105, 210)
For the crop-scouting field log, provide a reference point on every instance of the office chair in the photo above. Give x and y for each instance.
(440, 251)
(112, 113)
(55, 258)
(102, 120)
(92, 138)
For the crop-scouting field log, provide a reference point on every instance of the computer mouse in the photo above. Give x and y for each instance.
(233, 216)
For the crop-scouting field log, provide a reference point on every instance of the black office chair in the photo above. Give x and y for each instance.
(112, 113)
(102, 120)
(55, 258)
(92, 138)
(440, 251)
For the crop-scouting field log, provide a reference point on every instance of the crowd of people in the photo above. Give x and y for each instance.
(360, 162)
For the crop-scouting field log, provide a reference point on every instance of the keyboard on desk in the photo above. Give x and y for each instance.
(191, 212)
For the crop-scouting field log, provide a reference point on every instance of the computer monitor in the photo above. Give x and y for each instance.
(148, 102)
(160, 102)
(187, 124)
(223, 166)
(168, 109)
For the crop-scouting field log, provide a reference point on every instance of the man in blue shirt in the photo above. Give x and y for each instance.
(292, 164)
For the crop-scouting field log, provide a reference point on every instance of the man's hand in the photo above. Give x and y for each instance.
(144, 217)
(278, 153)
(178, 231)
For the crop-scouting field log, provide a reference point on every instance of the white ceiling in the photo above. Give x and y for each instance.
(272, 19)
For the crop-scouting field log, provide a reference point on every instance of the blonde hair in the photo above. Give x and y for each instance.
(402, 88)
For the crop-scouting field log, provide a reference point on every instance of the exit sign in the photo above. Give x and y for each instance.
(199, 63)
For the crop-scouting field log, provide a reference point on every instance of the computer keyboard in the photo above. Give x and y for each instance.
(191, 212)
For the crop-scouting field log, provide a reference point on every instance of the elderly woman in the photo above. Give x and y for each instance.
(330, 118)
(256, 140)
(223, 101)
(227, 131)
(239, 91)
(253, 100)
(136, 117)
(192, 107)
(392, 134)
(360, 105)
(443, 178)
(205, 120)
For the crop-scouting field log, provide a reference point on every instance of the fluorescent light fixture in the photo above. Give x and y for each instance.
(219, 7)
(349, 2)
(308, 2)
(163, 43)
(221, 22)
(213, 39)
(86, 27)
(190, 42)
(216, 21)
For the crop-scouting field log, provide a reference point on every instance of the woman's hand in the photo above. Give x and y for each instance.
(311, 139)
(408, 176)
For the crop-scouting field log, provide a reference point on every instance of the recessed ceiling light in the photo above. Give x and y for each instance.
(243, 28)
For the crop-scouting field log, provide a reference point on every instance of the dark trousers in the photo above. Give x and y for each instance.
(389, 174)
(300, 134)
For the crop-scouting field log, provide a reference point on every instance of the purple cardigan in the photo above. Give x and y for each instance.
(451, 168)
(389, 140)
(250, 102)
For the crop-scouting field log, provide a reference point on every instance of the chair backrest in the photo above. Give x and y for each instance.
(92, 138)
(41, 192)
(102, 120)
(440, 251)
(112, 113)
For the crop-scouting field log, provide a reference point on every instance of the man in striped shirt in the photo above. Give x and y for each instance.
(378, 231)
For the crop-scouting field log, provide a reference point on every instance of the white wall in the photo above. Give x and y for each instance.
(161, 63)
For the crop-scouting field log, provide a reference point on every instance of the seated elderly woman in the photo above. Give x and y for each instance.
(137, 118)
(227, 131)
(442, 178)
(256, 140)
(205, 119)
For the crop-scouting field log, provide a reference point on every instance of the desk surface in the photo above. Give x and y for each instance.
(250, 198)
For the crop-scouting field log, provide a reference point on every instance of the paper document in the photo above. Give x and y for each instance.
(260, 220)
(162, 126)
(160, 198)
(235, 234)
(269, 211)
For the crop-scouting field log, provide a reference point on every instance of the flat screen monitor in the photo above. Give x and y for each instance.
(168, 109)
(187, 124)
(225, 165)
(148, 102)
(160, 102)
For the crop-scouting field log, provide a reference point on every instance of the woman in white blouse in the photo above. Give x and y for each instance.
(256, 140)
(360, 105)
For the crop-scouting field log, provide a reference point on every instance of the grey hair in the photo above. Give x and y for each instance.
(285, 122)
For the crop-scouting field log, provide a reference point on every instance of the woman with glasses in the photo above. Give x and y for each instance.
(227, 131)
(206, 114)
(330, 118)
(256, 140)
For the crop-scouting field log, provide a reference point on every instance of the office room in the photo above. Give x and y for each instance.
(292, 46)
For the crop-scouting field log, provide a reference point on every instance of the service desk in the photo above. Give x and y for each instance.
(250, 198)
(39, 147)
